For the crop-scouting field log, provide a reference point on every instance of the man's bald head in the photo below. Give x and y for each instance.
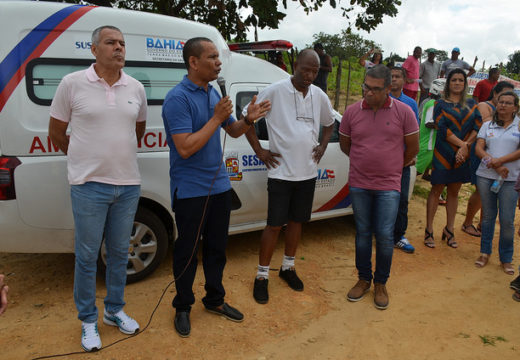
(307, 53)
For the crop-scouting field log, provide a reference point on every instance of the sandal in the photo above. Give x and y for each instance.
(428, 239)
(508, 268)
(516, 296)
(482, 260)
(450, 238)
(471, 230)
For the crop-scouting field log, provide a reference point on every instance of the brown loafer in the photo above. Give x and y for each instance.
(508, 268)
(358, 291)
(482, 260)
(380, 296)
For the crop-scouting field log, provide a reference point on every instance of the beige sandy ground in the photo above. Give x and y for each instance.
(441, 306)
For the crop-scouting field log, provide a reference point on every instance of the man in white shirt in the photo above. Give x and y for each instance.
(106, 110)
(428, 71)
(298, 108)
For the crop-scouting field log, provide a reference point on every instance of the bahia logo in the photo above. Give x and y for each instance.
(171, 44)
(325, 174)
(85, 45)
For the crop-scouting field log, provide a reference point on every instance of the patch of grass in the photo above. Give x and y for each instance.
(421, 191)
(463, 335)
(491, 340)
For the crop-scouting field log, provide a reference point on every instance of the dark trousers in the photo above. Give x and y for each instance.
(214, 233)
(401, 222)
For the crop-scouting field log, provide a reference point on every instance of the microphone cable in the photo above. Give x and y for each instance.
(167, 286)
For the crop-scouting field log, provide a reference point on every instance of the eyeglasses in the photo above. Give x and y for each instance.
(367, 88)
(505, 103)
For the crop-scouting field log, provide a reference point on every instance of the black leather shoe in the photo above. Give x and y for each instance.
(228, 312)
(260, 292)
(182, 323)
(292, 279)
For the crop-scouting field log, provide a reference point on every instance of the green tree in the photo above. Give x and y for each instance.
(440, 55)
(513, 65)
(344, 46)
(229, 18)
(393, 58)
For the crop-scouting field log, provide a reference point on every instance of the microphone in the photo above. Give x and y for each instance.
(222, 84)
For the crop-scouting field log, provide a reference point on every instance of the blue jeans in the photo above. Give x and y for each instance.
(401, 222)
(101, 209)
(506, 199)
(375, 212)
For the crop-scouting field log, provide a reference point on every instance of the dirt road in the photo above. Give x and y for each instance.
(441, 306)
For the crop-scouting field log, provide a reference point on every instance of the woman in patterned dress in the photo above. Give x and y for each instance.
(457, 121)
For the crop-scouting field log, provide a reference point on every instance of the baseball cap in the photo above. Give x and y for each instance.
(456, 49)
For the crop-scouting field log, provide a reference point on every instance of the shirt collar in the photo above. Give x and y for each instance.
(388, 104)
(190, 85)
(92, 76)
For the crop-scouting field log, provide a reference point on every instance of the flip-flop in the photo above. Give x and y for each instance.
(516, 296)
(508, 268)
(482, 260)
(471, 230)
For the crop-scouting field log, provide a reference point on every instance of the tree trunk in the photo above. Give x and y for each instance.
(348, 83)
(338, 85)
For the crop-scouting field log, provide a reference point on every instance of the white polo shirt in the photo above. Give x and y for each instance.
(293, 127)
(103, 143)
(500, 142)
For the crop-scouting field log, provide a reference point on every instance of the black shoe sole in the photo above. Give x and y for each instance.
(295, 289)
(261, 301)
(224, 315)
(182, 335)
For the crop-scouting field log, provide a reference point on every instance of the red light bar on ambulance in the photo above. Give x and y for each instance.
(276, 45)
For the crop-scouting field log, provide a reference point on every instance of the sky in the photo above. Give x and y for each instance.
(489, 29)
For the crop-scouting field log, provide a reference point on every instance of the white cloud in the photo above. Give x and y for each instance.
(484, 28)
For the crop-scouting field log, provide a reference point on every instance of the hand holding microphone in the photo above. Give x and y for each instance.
(224, 107)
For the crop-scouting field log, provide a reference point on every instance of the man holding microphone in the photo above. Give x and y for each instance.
(193, 114)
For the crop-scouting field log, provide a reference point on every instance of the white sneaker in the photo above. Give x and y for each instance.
(90, 340)
(126, 324)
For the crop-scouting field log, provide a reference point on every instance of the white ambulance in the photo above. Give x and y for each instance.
(42, 42)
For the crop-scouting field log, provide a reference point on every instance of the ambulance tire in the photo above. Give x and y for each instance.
(148, 246)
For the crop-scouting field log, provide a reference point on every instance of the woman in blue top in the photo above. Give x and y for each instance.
(458, 122)
(498, 145)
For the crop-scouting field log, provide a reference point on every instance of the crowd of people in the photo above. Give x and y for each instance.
(461, 141)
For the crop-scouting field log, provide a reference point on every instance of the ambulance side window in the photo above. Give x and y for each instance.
(43, 76)
(243, 98)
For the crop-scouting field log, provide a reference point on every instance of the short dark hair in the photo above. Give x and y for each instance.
(306, 52)
(401, 69)
(501, 85)
(515, 101)
(318, 46)
(380, 72)
(97, 32)
(493, 71)
(193, 47)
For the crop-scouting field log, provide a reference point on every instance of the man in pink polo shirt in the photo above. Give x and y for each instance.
(411, 65)
(106, 110)
(381, 136)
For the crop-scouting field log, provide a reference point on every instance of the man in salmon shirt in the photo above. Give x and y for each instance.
(411, 65)
(381, 136)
